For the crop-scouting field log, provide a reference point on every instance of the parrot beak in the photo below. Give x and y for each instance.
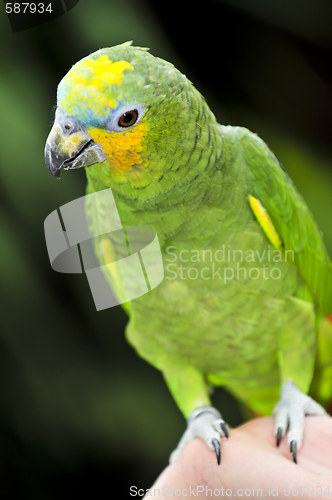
(69, 146)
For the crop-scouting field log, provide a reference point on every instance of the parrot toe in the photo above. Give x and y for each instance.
(207, 424)
(224, 428)
(290, 414)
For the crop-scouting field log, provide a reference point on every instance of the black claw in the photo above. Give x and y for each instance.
(224, 429)
(293, 450)
(217, 449)
(279, 435)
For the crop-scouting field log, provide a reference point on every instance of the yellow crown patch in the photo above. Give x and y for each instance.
(97, 72)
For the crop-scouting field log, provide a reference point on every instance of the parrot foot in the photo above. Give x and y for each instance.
(290, 414)
(204, 422)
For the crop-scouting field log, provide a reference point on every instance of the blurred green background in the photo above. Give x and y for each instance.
(80, 412)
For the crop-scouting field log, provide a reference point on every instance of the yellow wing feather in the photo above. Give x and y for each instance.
(265, 222)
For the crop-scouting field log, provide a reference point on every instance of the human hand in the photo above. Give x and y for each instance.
(252, 466)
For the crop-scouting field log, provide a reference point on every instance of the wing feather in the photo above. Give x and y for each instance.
(291, 217)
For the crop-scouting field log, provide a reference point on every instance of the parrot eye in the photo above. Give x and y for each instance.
(124, 118)
(128, 119)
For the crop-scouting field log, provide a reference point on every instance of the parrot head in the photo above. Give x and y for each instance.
(128, 114)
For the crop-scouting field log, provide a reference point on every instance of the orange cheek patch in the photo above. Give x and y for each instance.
(123, 149)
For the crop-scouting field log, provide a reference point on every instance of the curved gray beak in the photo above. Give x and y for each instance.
(69, 146)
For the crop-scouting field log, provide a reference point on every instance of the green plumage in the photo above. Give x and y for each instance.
(250, 321)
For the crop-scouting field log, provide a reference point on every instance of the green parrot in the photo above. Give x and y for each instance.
(247, 289)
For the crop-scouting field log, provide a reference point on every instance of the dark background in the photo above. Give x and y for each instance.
(80, 412)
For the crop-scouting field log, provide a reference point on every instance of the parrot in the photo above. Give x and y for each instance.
(246, 298)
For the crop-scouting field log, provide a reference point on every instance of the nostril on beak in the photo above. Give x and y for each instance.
(70, 126)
